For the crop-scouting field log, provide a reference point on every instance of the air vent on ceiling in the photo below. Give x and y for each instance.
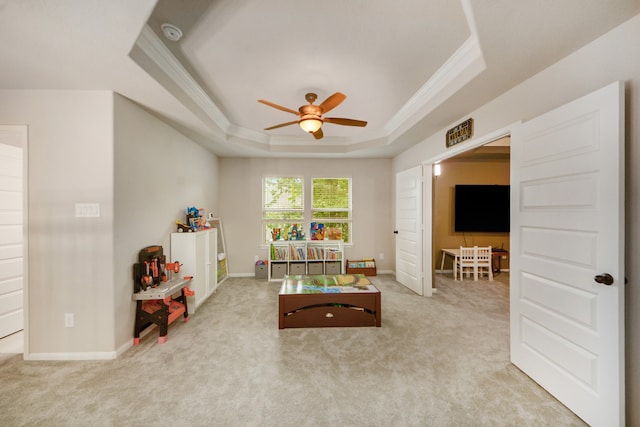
(171, 32)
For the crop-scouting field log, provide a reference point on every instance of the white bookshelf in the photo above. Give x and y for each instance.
(305, 257)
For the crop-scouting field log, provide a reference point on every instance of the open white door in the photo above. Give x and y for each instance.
(12, 140)
(567, 223)
(409, 228)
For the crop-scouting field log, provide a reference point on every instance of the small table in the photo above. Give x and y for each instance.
(455, 253)
(328, 300)
(155, 306)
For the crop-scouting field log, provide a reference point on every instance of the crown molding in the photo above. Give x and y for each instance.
(464, 58)
(151, 45)
(463, 63)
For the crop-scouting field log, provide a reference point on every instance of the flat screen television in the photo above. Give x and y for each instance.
(481, 208)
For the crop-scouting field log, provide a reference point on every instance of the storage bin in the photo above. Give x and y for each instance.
(278, 270)
(333, 267)
(297, 268)
(261, 271)
(315, 268)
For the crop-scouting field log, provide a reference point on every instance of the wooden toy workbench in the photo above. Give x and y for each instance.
(156, 306)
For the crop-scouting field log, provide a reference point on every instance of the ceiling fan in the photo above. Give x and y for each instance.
(310, 116)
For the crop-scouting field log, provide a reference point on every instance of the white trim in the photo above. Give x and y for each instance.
(448, 74)
(18, 135)
(461, 148)
(152, 46)
(427, 244)
(106, 355)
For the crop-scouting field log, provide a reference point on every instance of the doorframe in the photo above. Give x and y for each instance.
(427, 194)
(21, 133)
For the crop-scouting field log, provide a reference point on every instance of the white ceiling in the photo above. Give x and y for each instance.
(409, 68)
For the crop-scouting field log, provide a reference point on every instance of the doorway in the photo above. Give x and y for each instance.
(13, 242)
(487, 164)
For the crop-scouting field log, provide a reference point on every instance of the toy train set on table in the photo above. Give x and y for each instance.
(154, 287)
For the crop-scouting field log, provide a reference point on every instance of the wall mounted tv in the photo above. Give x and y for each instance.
(482, 208)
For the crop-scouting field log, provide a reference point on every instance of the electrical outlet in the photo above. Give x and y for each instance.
(381, 256)
(256, 258)
(68, 320)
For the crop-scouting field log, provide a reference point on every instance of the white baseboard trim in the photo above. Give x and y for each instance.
(106, 355)
(242, 275)
(124, 347)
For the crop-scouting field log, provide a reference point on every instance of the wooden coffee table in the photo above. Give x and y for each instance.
(328, 300)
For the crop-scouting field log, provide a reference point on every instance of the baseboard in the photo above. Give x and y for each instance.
(106, 355)
(124, 347)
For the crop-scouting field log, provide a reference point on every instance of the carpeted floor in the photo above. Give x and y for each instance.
(440, 361)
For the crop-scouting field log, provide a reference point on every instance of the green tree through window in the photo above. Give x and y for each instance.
(283, 208)
(331, 206)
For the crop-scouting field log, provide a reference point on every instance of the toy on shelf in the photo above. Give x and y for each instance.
(316, 231)
(334, 233)
(294, 232)
(195, 221)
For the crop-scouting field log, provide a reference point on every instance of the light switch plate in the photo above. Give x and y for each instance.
(87, 210)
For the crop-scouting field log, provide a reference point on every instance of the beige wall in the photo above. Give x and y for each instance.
(240, 205)
(95, 146)
(158, 173)
(463, 172)
(70, 259)
(614, 56)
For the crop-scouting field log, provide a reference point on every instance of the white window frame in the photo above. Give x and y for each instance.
(266, 211)
(348, 220)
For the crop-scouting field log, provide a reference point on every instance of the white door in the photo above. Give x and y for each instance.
(11, 230)
(409, 228)
(567, 223)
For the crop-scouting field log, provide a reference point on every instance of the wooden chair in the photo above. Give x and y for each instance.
(466, 260)
(484, 264)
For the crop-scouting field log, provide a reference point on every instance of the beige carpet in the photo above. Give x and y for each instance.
(440, 361)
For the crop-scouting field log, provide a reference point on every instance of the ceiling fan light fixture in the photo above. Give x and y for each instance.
(310, 124)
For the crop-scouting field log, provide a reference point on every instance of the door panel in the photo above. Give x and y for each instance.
(567, 227)
(409, 229)
(11, 231)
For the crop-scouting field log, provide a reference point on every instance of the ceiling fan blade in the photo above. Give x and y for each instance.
(282, 125)
(318, 134)
(345, 122)
(332, 102)
(279, 107)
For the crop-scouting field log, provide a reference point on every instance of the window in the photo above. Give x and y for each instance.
(282, 207)
(331, 206)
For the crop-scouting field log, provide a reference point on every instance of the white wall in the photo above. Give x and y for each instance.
(158, 174)
(241, 204)
(70, 259)
(615, 56)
